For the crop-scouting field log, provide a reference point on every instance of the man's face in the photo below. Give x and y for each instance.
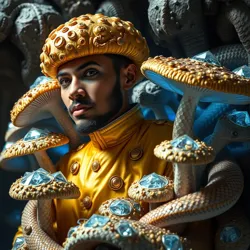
(91, 91)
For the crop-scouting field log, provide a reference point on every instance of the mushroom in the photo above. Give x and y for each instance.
(196, 81)
(123, 208)
(39, 103)
(152, 188)
(42, 186)
(184, 153)
(36, 142)
(122, 234)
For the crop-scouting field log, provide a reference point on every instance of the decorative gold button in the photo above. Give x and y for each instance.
(86, 202)
(136, 154)
(96, 166)
(74, 168)
(116, 182)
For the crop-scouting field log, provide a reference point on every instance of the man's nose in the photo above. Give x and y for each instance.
(76, 90)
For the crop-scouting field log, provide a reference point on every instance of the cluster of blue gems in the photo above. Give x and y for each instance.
(153, 181)
(41, 176)
(40, 80)
(230, 234)
(35, 133)
(18, 243)
(240, 118)
(120, 207)
(96, 221)
(184, 143)
(172, 242)
(243, 71)
(207, 57)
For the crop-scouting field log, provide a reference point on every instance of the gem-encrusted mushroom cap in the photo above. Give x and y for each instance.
(185, 150)
(122, 233)
(90, 35)
(196, 73)
(41, 185)
(28, 145)
(26, 109)
(152, 188)
(122, 208)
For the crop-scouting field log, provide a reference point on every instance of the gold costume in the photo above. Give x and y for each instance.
(104, 168)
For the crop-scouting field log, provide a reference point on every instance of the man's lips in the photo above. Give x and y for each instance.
(80, 109)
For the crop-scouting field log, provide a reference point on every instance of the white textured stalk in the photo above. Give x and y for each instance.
(66, 123)
(44, 161)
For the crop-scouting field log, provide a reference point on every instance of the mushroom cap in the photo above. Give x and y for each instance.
(50, 187)
(122, 208)
(25, 147)
(140, 192)
(32, 106)
(185, 150)
(216, 83)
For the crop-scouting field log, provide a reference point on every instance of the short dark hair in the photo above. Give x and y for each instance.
(119, 62)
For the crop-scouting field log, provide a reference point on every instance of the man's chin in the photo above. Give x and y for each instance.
(85, 127)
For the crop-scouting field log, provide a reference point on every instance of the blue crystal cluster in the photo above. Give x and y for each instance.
(40, 80)
(153, 181)
(96, 221)
(41, 176)
(35, 133)
(184, 143)
(243, 71)
(240, 118)
(125, 229)
(18, 243)
(207, 57)
(172, 242)
(120, 207)
(230, 234)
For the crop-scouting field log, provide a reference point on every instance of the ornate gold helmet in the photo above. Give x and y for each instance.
(90, 35)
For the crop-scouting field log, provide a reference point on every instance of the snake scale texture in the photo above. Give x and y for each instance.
(224, 187)
(36, 238)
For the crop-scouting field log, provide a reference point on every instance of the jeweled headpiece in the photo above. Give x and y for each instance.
(90, 35)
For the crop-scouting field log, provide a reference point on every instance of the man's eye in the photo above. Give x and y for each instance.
(64, 82)
(91, 72)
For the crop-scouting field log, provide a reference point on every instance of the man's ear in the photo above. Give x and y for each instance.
(130, 76)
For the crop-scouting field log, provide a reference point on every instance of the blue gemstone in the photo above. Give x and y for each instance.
(125, 229)
(185, 143)
(153, 181)
(207, 57)
(230, 234)
(59, 177)
(40, 80)
(137, 206)
(120, 207)
(243, 71)
(35, 133)
(10, 125)
(240, 118)
(18, 243)
(36, 178)
(96, 221)
(172, 242)
(72, 230)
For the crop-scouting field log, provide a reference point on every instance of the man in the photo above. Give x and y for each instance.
(96, 60)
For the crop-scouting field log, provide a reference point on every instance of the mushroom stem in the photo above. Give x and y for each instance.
(64, 120)
(46, 217)
(32, 162)
(184, 119)
(183, 179)
(44, 161)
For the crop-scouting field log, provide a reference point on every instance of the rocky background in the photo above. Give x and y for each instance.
(181, 28)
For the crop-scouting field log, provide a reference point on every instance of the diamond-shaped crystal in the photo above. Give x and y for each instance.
(35, 133)
(207, 57)
(59, 177)
(184, 143)
(125, 229)
(172, 242)
(72, 230)
(137, 206)
(36, 178)
(96, 221)
(240, 118)
(18, 243)
(42, 170)
(120, 207)
(10, 125)
(40, 80)
(243, 71)
(230, 234)
(153, 181)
